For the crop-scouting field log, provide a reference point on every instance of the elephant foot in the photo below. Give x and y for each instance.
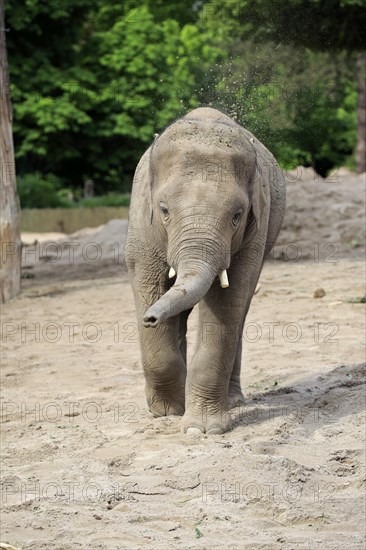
(235, 397)
(166, 408)
(215, 424)
(165, 404)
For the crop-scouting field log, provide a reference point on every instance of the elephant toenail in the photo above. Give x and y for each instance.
(194, 431)
(215, 431)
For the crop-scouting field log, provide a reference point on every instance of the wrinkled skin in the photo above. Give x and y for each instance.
(207, 196)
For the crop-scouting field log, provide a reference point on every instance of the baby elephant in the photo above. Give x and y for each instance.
(207, 205)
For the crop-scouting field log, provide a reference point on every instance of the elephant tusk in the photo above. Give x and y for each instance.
(172, 273)
(224, 281)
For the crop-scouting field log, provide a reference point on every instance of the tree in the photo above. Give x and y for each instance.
(87, 105)
(300, 103)
(332, 25)
(10, 254)
(361, 113)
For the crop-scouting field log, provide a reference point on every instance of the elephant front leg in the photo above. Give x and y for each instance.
(213, 379)
(209, 374)
(206, 395)
(164, 369)
(162, 360)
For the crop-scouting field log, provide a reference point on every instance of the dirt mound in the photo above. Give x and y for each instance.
(325, 218)
(85, 254)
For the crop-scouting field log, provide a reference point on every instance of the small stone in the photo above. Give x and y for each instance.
(319, 293)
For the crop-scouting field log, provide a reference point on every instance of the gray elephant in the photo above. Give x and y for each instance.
(207, 204)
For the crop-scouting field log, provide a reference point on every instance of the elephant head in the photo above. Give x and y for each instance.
(205, 195)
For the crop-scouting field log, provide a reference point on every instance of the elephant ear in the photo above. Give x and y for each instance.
(151, 177)
(260, 180)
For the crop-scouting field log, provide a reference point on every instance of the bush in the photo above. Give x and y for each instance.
(42, 191)
(38, 191)
(112, 199)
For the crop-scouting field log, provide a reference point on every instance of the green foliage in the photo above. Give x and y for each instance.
(92, 82)
(300, 103)
(111, 199)
(38, 191)
(316, 24)
(321, 128)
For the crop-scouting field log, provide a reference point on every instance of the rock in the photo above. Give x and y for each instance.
(319, 293)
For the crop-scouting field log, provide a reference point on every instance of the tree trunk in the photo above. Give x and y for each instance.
(361, 113)
(10, 249)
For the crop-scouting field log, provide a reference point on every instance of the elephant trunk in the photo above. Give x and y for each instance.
(192, 283)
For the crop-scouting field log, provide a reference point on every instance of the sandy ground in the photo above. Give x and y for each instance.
(84, 464)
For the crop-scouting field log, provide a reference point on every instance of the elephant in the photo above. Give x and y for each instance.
(207, 204)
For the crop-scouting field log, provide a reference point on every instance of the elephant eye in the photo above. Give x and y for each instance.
(164, 210)
(236, 218)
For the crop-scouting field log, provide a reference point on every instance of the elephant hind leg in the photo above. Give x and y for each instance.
(235, 396)
(183, 319)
